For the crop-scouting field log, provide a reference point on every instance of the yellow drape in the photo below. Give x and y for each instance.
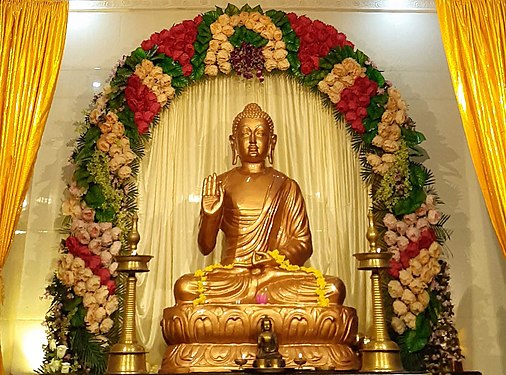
(474, 38)
(31, 49)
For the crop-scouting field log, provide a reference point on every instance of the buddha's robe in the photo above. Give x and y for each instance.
(279, 223)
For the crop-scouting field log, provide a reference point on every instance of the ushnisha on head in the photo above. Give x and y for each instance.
(252, 139)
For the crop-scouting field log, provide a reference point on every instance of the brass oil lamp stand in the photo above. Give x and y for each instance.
(380, 354)
(128, 356)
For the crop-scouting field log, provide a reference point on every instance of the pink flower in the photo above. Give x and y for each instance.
(82, 236)
(93, 229)
(422, 210)
(402, 243)
(433, 217)
(95, 246)
(88, 214)
(422, 223)
(107, 238)
(390, 238)
(401, 227)
(390, 221)
(413, 234)
(410, 219)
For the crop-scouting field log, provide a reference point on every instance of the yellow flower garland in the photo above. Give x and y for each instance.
(283, 263)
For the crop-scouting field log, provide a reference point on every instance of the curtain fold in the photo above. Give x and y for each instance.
(474, 38)
(31, 49)
(191, 142)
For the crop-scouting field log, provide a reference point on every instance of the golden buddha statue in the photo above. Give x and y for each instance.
(259, 210)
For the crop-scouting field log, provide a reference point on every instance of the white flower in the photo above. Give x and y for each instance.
(398, 325)
(405, 277)
(52, 344)
(106, 325)
(410, 320)
(395, 289)
(60, 351)
(433, 216)
(417, 286)
(65, 367)
(408, 297)
(435, 250)
(80, 288)
(415, 266)
(93, 283)
(400, 308)
(390, 221)
(416, 307)
(111, 304)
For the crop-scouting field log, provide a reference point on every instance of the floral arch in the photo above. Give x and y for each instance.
(84, 317)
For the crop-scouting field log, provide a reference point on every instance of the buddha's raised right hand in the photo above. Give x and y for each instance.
(212, 195)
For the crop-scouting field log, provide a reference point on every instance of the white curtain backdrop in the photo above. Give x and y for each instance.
(191, 142)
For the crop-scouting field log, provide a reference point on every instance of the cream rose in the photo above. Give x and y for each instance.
(89, 299)
(410, 320)
(80, 288)
(124, 172)
(423, 257)
(270, 65)
(101, 295)
(106, 258)
(106, 325)
(93, 327)
(417, 286)
(400, 308)
(422, 223)
(225, 67)
(77, 265)
(66, 277)
(405, 277)
(111, 305)
(395, 289)
(84, 274)
(93, 283)
(373, 159)
(426, 275)
(112, 268)
(378, 141)
(283, 64)
(211, 70)
(210, 58)
(435, 250)
(105, 226)
(408, 297)
(398, 325)
(424, 298)
(115, 233)
(390, 145)
(388, 158)
(102, 144)
(82, 236)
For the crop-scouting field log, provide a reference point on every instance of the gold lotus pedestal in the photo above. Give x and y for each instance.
(380, 354)
(128, 356)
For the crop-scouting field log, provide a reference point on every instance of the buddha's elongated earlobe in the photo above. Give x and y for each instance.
(235, 156)
(272, 146)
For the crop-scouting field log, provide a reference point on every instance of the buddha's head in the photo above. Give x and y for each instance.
(253, 139)
(266, 323)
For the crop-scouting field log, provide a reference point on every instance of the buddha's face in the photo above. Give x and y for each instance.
(266, 325)
(253, 140)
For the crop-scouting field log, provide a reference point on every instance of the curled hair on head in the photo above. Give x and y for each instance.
(252, 110)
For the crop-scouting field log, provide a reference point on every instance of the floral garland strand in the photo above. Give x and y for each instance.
(248, 42)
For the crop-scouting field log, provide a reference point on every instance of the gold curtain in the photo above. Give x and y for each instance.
(474, 38)
(31, 49)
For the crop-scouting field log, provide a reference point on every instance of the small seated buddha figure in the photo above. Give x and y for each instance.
(267, 240)
(267, 353)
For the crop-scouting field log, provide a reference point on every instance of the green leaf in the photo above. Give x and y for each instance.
(92, 134)
(286, 28)
(258, 9)
(180, 82)
(105, 215)
(412, 137)
(198, 59)
(84, 154)
(369, 136)
(209, 18)
(325, 64)
(375, 112)
(77, 319)
(94, 197)
(135, 58)
(89, 350)
(418, 338)
(375, 75)
(370, 124)
(361, 57)
(380, 100)
(417, 175)
(231, 10)
(411, 203)
(82, 176)
(219, 10)
(200, 48)
(174, 70)
(198, 72)
(246, 8)
(71, 304)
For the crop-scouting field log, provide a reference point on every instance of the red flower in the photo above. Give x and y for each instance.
(358, 126)
(404, 258)
(142, 101)
(394, 268)
(104, 275)
(413, 249)
(427, 237)
(316, 40)
(93, 262)
(111, 285)
(177, 42)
